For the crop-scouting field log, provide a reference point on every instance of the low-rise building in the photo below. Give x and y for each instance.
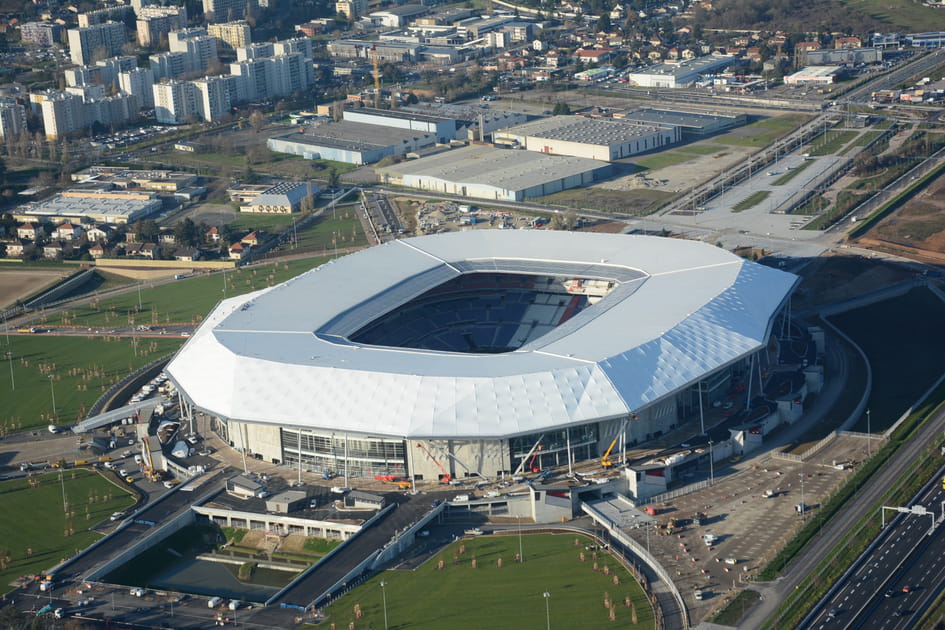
(814, 75)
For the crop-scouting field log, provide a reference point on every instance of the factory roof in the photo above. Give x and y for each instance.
(354, 136)
(584, 130)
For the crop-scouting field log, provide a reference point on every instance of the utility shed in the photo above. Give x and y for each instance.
(288, 501)
(244, 487)
(364, 500)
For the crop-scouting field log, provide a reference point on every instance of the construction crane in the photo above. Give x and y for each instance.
(605, 460)
(377, 76)
(445, 477)
(149, 472)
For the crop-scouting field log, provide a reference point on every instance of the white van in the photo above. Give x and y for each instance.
(214, 602)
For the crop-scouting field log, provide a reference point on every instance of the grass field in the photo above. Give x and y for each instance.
(905, 15)
(762, 132)
(51, 535)
(186, 301)
(662, 160)
(792, 173)
(751, 200)
(904, 356)
(82, 368)
(831, 142)
(507, 597)
(340, 228)
(699, 149)
(266, 222)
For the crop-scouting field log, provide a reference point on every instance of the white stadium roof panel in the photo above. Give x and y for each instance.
(284, 356)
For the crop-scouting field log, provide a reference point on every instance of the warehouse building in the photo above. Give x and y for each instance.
(487, 173)
(93, 206)
(680, 73)
(351, 142)
(691, 123)
(814, 75)
(591, 138)
(442, 127)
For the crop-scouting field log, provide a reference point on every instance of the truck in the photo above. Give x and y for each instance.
(234, 604)
(53, 428)
(213, 602)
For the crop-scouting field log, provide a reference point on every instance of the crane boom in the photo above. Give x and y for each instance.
(605, 460)
(445, 477)
(527, 455)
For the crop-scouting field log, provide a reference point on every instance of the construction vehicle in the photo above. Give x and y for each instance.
(445, 477)
(400, 482)
(605, 460)
(149, 472)
(528, 455)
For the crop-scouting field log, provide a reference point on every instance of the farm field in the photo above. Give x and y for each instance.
(18, 282)
(52, 534)
(460, 597)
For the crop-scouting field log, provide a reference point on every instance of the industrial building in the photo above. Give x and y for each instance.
(443, 128)
(814, 75)
(350, 142)
(283, 198)
(842, 55)
(591, 138)
(484, 172)
(691, 123)
(92, 206)
(482, 352)
(679, 74)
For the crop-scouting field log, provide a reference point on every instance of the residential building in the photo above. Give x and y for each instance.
(174, 102)
(351, 9)
(42, 33)
(117, 13)
(29, 231)
(99, 234)
(195, 42)
(139, 82)
(67, 231)
(99, 41)
(170, 65)
(229, 10)
(231, 35)
(12, 118)
(155, 22)
(213, 96)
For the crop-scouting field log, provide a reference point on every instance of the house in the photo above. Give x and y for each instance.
(52, 251)
(18, 248)
(97, 250)
(253, 239)
(847, 43)
(30, 231)
(554, 59)
(150, 250)
(133, 249)
(213, 235)
(806, 46)
(99, 233)
(186, 254)
(166, 237)
(238, 251)
(594, 55)
(67, 232)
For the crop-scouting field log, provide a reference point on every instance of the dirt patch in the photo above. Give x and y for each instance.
(254, 538)
(147, 274)
(831, 279)
(17, 284)
(919, 223)
(293, 543)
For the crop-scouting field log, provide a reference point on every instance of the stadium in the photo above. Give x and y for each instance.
(466, 353)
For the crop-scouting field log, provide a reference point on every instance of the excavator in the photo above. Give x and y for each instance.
(605, 460)
(445, 477)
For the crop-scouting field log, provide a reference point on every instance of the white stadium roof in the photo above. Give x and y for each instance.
(282, 356)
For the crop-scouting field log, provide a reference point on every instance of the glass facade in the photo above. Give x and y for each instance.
(554, 445)
(329, 453)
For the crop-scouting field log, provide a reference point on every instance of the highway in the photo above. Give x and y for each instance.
(897, 577)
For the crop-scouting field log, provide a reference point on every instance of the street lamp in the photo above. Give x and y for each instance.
(803, 505)
(52, 389)
(12, 383)
(547, 596)
(711, 464)
(384, 599)
(868, 440)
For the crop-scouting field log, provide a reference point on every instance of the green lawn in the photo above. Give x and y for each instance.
(185, 301)
(639, 202)
(271, 223)
(791, 174)
(340, 228)
(904, 15)
(662, 160)
(751, 200)
(762, 132)
(50, 534)
(460, 597)
(901, 338)
(82, 369)
(831, 142)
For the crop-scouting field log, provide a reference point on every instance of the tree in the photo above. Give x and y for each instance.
(147, 231)
(257, 120)
(561, 109)
(603, 24)
(333, 178)
(185, 232)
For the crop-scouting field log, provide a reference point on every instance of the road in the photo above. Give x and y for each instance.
(896, 578)
(776, 592)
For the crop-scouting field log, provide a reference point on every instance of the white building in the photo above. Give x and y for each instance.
(170, 65)
(195, 42)
(228, 10)
(174, 102)
(232, 35)
(139, 82)
(213, 97)
(680, 73)
(92, 43)
(12, 118)
(814, 75)
(155, 22)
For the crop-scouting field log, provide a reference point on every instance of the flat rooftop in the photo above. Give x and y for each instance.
(679, 119)
(699, 64)
(110, 209)
(502, 168)
(398, 114)
(584, 130)
(353, 136)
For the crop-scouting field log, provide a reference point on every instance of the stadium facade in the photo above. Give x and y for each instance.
(482, 352)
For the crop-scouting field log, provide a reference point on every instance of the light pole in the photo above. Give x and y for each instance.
(547, 597)
(803, 505)
(384, 599)
(52, 389)
(711, 464)
(12, 382)
(868, 436)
